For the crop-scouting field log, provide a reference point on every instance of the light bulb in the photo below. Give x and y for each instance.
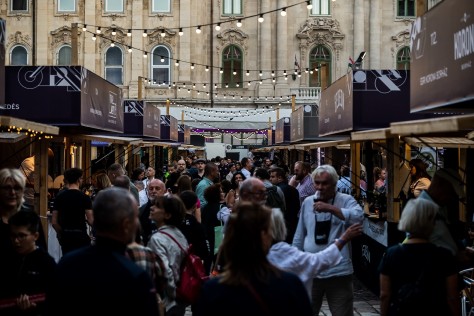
(260, 18)
(84, 28)
(207, 68)
(239, 23)
(192, 66)
(247, 73)
(163, 34)
(221, 70)
(112, 44)
(94, 37)
(176, 63)
(218, 27)
(114, 32)
(261, 73)
(180, 32)
(129, 49)
(162, 59)
(309, 5)
(198, 30)
(144, 34)
(283, 12)
(129, 33)
(145, 55)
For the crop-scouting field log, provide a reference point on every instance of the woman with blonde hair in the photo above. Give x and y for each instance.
(12, 188)
(418, 266)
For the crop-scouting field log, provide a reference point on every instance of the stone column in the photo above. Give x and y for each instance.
(359, 33)
(375, 38)
(281, 50)
(89, 47)
(184, 70)
(265, 56)
(42, 31)
(139, 65)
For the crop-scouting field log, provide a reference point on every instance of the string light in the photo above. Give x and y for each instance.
(98, 30)
(239, 23)
(144, 33)
(114, 32)
(84, 28)
(198, 30)
(129, 49)
(129, 33)
(218, 27)
(309, 5)
(94, 37)
(180, 31)
(176, 63)
(192, 66)
(162, 33)
(283, 12)
(260, 18)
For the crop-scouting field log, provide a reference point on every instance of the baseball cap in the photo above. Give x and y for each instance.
(453, 177)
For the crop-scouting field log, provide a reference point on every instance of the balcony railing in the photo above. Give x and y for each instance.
(304, 94)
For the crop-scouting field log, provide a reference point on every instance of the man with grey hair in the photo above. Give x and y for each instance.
(253, 190)
(101, 277)
(323, 218)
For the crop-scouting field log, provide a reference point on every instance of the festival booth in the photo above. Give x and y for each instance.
(366, 102)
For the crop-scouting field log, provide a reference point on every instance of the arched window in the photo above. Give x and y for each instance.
(19, 56)
(114, 65)
(320, 65)
(232, 66)
(64, 56)
(403, 58)
(160, 65)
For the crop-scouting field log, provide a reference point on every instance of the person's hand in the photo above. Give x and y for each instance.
(23, 302)
(352, 232)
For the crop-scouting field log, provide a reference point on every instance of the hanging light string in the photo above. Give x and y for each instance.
(193, 65)
(198, 28)
(225, 114)
(210, 126)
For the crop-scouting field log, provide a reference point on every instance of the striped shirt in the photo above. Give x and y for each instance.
(305, 188)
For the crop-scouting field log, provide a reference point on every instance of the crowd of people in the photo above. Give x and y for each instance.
(285, 248)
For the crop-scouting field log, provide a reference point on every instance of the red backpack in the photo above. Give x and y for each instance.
(192, 275)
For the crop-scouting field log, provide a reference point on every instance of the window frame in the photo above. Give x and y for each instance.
(228, 71)
(153, 10)
(317, 61)
(121, 66)
(27, 2)
(233, 4)
(113, 11)
(405, 8)
(61, 11)
(403, 58)
(11, 55)
(168, 59)
(318, 4)
(59, 53)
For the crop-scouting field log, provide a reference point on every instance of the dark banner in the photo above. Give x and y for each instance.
(305, 123)
(3, 34)
(169, 128)
(187, 135)
(283, 131)
(181, 133)
(141, 119)
(62, 96)
(442, 56)
(335, 108)
(101, 103)
(297, 125)
(151, 121)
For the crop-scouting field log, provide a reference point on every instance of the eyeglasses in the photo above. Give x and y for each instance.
(9, 188)
(19, 237)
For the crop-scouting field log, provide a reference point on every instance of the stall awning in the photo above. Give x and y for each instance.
(161, 144)
(113, 139)
(332, 143)
(23, 126)
(276, 147)
(374, 134)
(446, 142)
(435, 125)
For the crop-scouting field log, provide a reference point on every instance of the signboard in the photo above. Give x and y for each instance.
(169, 128)
(3, 34)
(141, 119)
(63, 96)
(282, 132)
(335, 108)
(305, 123)
(442, 56)
(366, 99)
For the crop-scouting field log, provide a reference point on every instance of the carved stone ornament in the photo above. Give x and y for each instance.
(155, 38)
(402, 39)
(232, 36)
(119, 38)
(19, 38)
(320, 31)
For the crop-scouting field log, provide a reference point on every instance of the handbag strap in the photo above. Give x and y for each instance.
(172, 238)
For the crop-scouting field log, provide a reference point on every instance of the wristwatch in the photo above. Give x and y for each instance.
(340, 242)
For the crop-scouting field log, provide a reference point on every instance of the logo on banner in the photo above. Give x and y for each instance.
(112, 105)
(417, 38)
(339, 100)
(10, 106)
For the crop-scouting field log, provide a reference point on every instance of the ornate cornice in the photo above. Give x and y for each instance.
(19, 38)
(155, 38)
(120, 37)
(232, 36)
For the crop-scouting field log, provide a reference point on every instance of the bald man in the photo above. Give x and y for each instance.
(154, 189)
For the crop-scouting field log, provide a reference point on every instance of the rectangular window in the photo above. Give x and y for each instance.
(66, 5)
(114, 6)
(114, 75)
(19, 5)
(160, 6)
(406, 8)
(320, 7)
(233, 7)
